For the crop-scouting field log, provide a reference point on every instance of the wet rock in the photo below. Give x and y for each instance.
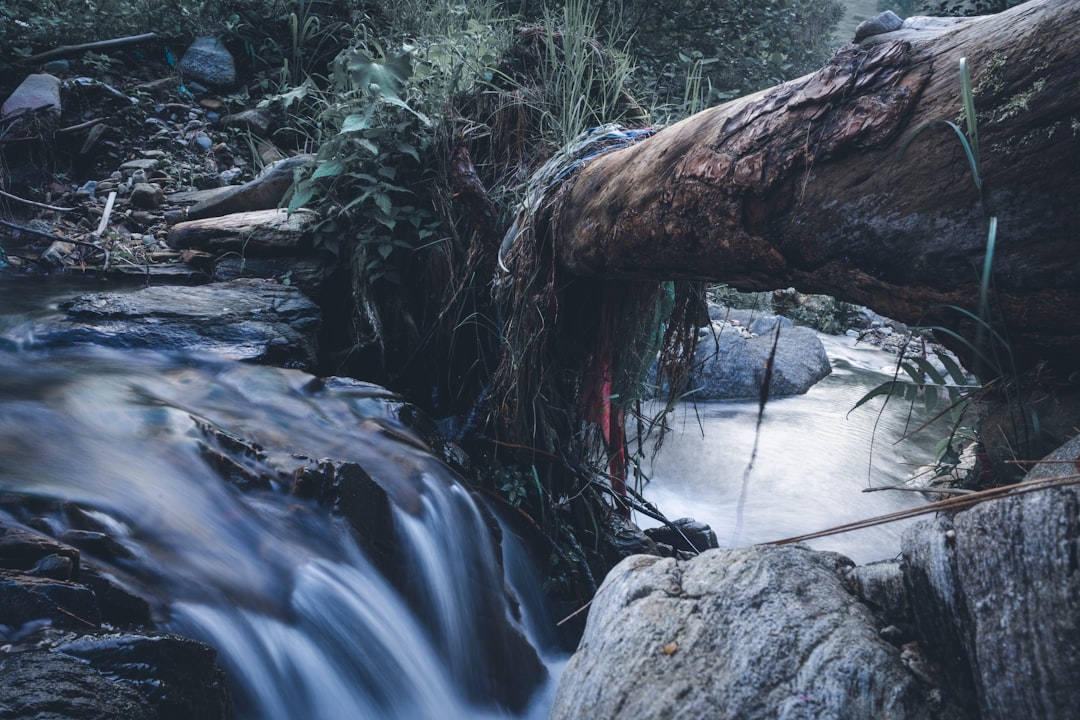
(99, 544)
(53, 686)
(208, 61)
(734, 633)
(24, 598)
(25, 550)
(996, 594)
(40, 92)
(308, 274)
(246, 319)
(178, 677)
(626, 539)
(118, 606)
(685, 534)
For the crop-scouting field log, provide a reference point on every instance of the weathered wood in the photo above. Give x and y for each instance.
(792, 186)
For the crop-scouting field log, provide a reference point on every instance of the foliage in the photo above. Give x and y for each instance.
(967, 7)
(715, 49)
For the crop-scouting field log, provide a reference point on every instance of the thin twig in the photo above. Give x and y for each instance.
(9, 196)
(81, 126)
(574, 614)
(954, 503)
(907, 488)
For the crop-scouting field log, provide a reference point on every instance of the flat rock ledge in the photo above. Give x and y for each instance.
(245, 319)
(740, 633)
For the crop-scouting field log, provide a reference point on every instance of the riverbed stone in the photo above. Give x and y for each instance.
(757, 632)
(996, 595)
(733, 362)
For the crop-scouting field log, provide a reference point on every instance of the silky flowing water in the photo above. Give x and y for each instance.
(305, 623)
(814, 459)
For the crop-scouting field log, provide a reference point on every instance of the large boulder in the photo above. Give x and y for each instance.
(757, 632)
(996, 596)
(733, 360)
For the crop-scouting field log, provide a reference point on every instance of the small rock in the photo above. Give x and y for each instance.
(143, 217)
(880, 24)
(36, 92)
(201, 141)
(88, 189)
(154, 154)
(208, 61)
(147, 165)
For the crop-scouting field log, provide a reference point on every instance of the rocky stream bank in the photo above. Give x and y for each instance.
(975, 620)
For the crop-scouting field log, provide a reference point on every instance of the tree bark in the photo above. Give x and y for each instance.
(803, 184)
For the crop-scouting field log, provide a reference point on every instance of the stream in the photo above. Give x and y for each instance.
(307, 622)
(813, 461)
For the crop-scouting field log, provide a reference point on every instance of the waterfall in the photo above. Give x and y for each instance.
(190, 465)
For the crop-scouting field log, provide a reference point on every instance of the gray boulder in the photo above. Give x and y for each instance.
(733, 364)
(36, 92)
(208, 61)
(740, 633)
(996, 596)
(243, 319)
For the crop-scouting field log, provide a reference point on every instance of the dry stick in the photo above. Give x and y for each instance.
(81, 126)
(905, 488)
(105, 215)
(65, 50)
(574, 614)
(48, 236)
(954, 503)
(9, 196)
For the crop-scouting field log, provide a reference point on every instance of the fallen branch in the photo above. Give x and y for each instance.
(905, 488)
(65, 50)
(9, 196)
(48, 236)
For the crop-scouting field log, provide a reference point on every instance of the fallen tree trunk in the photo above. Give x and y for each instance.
(800, 185)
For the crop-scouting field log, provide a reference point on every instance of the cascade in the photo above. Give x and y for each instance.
(191, 464)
